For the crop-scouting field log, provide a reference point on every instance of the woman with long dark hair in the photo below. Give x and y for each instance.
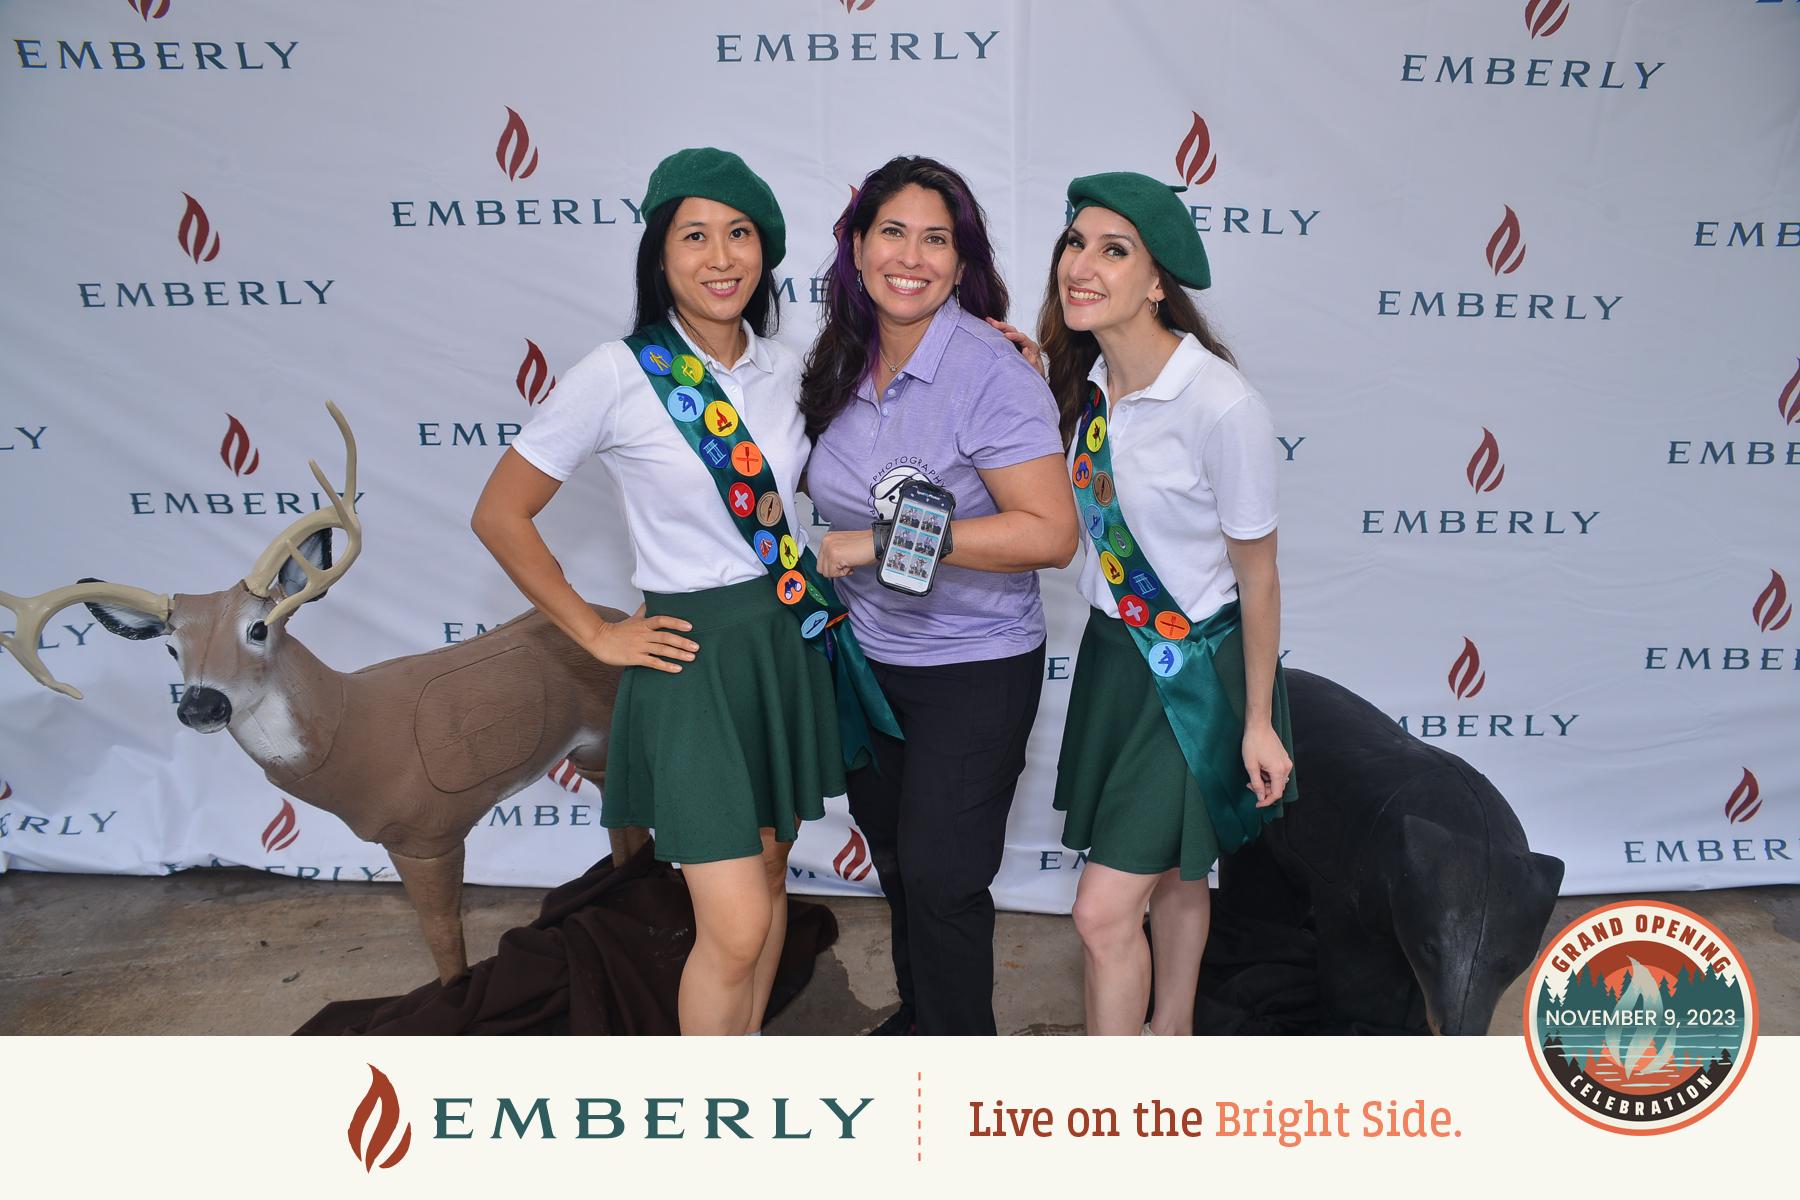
(908, 380)
(1176, 746)
(697, 750)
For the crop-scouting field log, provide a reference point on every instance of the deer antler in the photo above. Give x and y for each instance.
(34, 612)
(262, 577)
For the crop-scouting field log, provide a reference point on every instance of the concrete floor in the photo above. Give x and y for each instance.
(240, 952)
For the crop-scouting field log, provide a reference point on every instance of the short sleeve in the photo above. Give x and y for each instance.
(1239, 460)
(1011, 419)
(576, 421)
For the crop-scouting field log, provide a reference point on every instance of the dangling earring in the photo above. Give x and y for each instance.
(1155, 307)
(956, 292)
(859, 282)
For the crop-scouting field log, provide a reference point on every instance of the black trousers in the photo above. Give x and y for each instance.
(935, 817)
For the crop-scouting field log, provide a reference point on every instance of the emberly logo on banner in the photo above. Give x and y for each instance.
(241, 459)
(855, 46)
(1543, 18)
(1504, 253)
(518, 158)
(533, 373)
(1750, 452)
(200, 243)
(23, 437)
(1741, 804)
(1769, 613)
(236, 452)
(1747, 234)
(1466, 679)
(1196, 161)
(1484, 470)
(45, 54)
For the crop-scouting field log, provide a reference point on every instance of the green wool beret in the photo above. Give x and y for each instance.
(720, 175)
(1164, 222)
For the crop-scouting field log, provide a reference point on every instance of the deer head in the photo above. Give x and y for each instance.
(225, 641)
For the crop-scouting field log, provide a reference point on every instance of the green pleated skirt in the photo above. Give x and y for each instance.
(1124, 788)
(744, 738)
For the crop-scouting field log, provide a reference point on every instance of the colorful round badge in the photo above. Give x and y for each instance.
(791, 587)
(1144, 584)
(1172, 625)
(1166, 658)
(1121, 541)
(790, 551)
(656, 359)
(1096, 434)
(764, 542)
(1103, 489)
(715, 452)
(687, 368)
(1082, 473)
(1094, 520)
(1134, 612)
(768, 509)
(741, 499)
(721, 418)
(1111, 568)
(747, 459)
(814, 624)
(685, 404)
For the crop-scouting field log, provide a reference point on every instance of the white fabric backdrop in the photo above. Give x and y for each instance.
(1605, 195)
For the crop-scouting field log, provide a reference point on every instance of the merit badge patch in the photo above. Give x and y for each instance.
(656, 359)
(1640, 1017)
(684, 402)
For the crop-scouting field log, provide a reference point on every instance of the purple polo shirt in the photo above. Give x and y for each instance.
(966, 401)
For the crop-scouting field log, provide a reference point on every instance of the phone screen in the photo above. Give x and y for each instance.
(913, 547)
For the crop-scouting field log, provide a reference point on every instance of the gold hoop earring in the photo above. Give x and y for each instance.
(1155, 307)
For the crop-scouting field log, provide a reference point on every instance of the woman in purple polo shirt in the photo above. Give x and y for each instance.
(908, 379)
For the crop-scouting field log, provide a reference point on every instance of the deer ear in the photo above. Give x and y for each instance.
(126, 622)
(317, 551)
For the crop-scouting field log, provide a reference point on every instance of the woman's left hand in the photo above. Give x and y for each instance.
(1268, 764)
(1030, 349)
(842, 551)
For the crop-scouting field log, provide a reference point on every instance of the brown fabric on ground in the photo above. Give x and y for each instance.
(603, 957)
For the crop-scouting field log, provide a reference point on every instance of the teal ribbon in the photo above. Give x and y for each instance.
(713, 427)
(1180, 652)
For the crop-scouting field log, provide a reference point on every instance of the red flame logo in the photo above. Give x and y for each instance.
(195, 233)
(1506, 249)
(1745, 799)
(283, 830)
(533, 371)
(1485, 470)
(1194, 159)
(1545, 17)
(1789, 404)
(5, 789)
(150, 10)
(837, 228)
(1466, 676)
(856, 5)
(1772, 609)
(564, 776)
(853, 861)
(380, 1095)
(236, 452)
(514, 145)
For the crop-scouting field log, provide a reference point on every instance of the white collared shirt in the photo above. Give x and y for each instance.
(682, 536)
(1193, 459)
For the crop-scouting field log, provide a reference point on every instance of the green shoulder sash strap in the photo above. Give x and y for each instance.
(1178, 650)
(711, 424)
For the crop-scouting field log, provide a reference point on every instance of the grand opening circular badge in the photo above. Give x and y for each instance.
(1640, 1017)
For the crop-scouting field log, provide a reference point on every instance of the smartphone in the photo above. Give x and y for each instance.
(922, 513)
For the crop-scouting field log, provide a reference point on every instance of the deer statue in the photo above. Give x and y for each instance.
(409, 753)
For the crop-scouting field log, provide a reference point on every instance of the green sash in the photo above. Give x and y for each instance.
(1178, 650)
(716, 431)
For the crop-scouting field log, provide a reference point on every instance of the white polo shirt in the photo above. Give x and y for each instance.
(682, 536)
(1193, 459)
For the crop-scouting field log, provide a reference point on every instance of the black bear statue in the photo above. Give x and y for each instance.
(1397, 895)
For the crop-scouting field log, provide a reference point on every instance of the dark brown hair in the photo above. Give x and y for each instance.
(1072, 353)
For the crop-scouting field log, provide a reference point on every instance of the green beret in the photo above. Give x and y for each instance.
(1165, 222)
(720, 175)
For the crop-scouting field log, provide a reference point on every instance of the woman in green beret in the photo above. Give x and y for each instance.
(1176, 747)
(698, 750)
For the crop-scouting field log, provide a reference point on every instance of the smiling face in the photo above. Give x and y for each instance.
(712, 259)
(908, 257)
(1105, 277)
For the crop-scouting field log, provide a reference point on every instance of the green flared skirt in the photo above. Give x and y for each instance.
(1124, 788)
(744, 738)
